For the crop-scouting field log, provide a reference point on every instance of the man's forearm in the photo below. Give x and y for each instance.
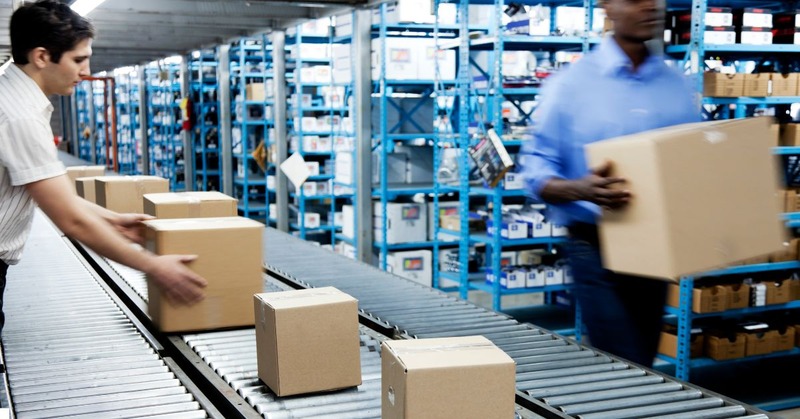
(561, 191)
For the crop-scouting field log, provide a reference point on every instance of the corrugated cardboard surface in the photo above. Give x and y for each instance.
(74, 172)
(124, 194)
(230, 257)
(463, 377)
(307, 340)
(721, 347)
(189, 205)
(85, 188)
(703, 198)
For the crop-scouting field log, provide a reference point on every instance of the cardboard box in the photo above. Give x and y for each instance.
(416, 265)
(680, 178)
(778, 292)
(84, 186)
(668, 344)
(790, 135)
(255, 92)
(307, 340)
(774, 138)
(445, 208)
(723, 85)
(461, 377)
(190, 205)
(760, 343)
(785, 84)
(789, 252)
(794, 289)
(704, 299)
(125, 194)
(229, 256)
(738, 296)
(722, 347)
(784, 338)
(75, 172)
(756, 84)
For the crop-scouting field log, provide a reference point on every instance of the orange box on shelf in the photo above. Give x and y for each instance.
(790, 135)
(778, 291)
(784, 338)
(724, 346)
(723, 85)
(668, 344)
(760, 343)
(704, 299)
(756, 85)
(785, 84)
(738, 296)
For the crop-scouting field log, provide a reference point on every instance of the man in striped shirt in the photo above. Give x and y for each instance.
(51, 46)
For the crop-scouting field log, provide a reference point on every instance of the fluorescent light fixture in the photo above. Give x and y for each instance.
(83, 7)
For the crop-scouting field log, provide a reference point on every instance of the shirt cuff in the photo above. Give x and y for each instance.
(36, 174)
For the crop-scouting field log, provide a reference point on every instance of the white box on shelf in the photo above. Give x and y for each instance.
(343, 25)
(513, 181)
(415, 265)
(401, 61)
(535, 278)
(753, 36)
(405, 11)
(512, 279)
(312, 219)
(343, 168)
(405, 223)
(313, 167)
(426, 68)
(271, 182)
(559, 230)
(553, 276)
(348, 221)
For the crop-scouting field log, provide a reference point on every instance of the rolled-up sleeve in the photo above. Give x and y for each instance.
(27, 151)
(541, 157)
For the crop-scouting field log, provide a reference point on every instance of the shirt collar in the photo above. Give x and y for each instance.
(35, 95)
(613, 61)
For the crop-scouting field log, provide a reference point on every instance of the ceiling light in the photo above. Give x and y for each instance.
(83, 7)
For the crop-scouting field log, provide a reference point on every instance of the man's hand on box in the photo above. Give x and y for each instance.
(130, 226)
(179, 283)
(603, 189)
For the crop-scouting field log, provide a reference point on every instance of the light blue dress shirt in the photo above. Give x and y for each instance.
(597, 98)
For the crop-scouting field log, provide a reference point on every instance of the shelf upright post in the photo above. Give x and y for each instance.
(697, 51)
(496, 90)
(384, 142)
(362, 76)
(186, 135)
(279, 80)
(224, 99)
(462, 87)
(438, 90)
(73, 118)
(685, 319)
(143, 121)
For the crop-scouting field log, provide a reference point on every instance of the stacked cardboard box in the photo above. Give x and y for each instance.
(125, 194)
(189, 205)
(75, 172)
(229, 256)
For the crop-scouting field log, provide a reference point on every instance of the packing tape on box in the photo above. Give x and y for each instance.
(276, 296)
(194, 206)
(444, 348)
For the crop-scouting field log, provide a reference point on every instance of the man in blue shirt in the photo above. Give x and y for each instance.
(619, 88)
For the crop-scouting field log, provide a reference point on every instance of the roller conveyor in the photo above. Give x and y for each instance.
(558, 376)
(71, 351)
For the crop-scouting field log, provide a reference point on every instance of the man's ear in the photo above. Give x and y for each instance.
(39, 57)
(611, 11)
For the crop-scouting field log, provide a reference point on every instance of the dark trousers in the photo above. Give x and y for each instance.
(623, 314)
(3, 270)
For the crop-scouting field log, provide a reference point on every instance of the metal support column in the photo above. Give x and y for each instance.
(186, 135)
(143, 109)
(73, 124)
(363, 170)
(224, 96)
(281, 140)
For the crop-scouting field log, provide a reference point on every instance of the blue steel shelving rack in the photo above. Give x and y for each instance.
(692, 59)
(385, 136)
(128, 114)
(344, 136)
(203, 85)
(101, 101)
(164, 122)
(84, 120)
(487, 103)
(300, 202)
(250, 63)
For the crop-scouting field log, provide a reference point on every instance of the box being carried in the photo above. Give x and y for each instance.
(189, 205)
(461, 377)
(125, 194)
(307, 340)
(229, 256)
(703, 198)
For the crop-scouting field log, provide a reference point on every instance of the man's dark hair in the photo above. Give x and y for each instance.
(49, 24)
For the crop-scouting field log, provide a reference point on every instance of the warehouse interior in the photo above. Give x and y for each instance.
(366, 158)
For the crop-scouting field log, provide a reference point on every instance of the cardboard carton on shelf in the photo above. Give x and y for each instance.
(784, 338)
(704, 299)
(724, 346)
(438, 378)
(738, 295)
(296, 358)
(778, 292)
(668, 344)
(229, 256)
(759, 339)
(723, 84)
(685, 218)
(190, 205)
(756, 85)
(785, 84)
(125, 194)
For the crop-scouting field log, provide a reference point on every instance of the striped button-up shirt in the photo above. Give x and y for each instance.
(27, 155)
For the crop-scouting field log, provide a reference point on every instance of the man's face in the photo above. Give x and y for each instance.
(636, 20)
(61, 78)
